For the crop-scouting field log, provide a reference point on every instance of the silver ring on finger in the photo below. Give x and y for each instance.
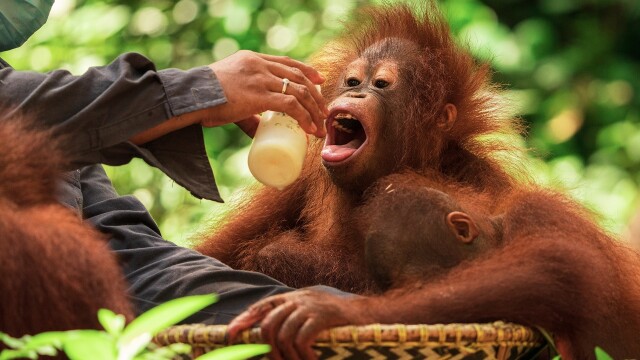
(285, 84)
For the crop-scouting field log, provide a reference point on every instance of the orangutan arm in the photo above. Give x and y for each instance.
(544, 291)
(555, 270)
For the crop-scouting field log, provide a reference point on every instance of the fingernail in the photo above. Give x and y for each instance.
(314, 128)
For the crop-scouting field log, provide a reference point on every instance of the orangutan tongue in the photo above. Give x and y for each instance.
(336, 153)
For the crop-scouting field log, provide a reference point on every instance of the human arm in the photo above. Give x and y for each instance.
(252, 83)
(100, 111)
(96, 113)
(109, 104)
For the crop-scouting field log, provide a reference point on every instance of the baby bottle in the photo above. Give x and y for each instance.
(278, 150)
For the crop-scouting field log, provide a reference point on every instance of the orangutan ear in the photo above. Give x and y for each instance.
(462, 226)
(448, 117)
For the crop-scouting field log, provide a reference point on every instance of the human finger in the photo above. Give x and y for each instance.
(308, 71)
(298, 77)
(290, 105)
(308, 96)
(302, 95)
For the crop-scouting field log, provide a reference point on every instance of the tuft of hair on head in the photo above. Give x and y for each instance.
(30, 161)
(369, 25)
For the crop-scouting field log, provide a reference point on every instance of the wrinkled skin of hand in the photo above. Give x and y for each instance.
(252, 84)
(291, 322)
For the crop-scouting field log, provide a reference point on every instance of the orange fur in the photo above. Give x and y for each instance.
(556, 268)
(310, 223)
(446, 73)
(550, 266)
(56, 271)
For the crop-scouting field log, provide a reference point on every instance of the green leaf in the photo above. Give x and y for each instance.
(46, 339)
(179, 348)
(170, 351)
(165, 315)
(557, 357)
(11, 341)
(111, 322)
(47, 350)
(602, 355)
(30, 346)
(18, 354)
(134, 347)
(90, 344)
(153, 352)
(152, 356)
(237, 352)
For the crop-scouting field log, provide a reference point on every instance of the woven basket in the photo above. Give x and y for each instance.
(452, 341)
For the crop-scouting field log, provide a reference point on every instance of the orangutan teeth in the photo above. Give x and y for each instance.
(338, 126)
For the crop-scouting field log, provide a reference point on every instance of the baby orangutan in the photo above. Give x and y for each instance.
(441, 237)
(447, 256)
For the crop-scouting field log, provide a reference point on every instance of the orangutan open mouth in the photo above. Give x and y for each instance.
(346, 123)
(345, 135)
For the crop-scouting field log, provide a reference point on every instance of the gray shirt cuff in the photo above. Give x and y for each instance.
(191, 90)
(180, 154)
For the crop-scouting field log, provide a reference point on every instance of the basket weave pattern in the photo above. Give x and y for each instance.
(451, 341)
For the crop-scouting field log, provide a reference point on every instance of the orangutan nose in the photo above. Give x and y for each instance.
(354, 94)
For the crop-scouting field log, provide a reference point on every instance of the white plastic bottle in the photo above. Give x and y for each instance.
(278, 150)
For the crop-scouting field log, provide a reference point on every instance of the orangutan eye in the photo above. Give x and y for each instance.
(381, 84)
(351, 82)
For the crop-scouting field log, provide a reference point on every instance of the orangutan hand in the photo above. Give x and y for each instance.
(291, 322)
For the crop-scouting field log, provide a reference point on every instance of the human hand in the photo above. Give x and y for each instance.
(291, 322)
(252, 83)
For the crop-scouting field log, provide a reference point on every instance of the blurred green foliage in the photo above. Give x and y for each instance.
(570, 67)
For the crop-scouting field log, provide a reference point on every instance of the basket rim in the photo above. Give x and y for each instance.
(384, 335)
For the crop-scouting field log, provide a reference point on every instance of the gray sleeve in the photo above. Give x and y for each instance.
(98, 111)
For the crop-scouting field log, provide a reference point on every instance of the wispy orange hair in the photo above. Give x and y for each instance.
(445, 73)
